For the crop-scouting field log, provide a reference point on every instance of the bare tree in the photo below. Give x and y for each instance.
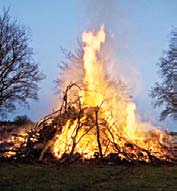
(164, 92)
(19, 74)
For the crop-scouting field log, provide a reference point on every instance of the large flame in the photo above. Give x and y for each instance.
(107, 121)
(99, 118)
(94, 73)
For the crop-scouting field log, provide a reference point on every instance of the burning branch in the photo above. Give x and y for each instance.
(97, 119)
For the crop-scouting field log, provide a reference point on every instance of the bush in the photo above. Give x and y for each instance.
(22, 120)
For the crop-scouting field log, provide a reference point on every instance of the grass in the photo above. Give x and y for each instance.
(19, 177)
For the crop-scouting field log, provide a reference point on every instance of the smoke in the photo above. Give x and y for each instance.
(106, 12)
(101, 11)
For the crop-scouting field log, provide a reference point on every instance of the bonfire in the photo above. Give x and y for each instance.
(97, 118)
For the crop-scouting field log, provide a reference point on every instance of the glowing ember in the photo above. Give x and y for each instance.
(13, 142)
(103, 120)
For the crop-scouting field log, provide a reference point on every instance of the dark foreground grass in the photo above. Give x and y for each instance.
(19, 177)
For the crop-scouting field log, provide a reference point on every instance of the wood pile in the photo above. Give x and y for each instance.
(174, 146)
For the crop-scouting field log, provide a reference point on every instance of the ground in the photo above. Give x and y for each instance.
(33, 177)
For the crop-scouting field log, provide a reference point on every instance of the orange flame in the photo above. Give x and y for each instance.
(100, 120)
(14, 141)
(109, 120)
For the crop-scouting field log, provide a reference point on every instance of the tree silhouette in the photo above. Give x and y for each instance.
(164, 92)
(19, 74)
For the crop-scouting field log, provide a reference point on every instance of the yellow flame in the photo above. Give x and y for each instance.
(107, 111)
(93, 69)
(107, 120)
